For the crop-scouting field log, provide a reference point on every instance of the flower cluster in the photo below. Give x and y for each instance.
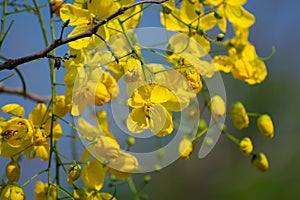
(108, 60)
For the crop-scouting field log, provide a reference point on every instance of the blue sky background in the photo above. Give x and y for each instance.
(225, 173)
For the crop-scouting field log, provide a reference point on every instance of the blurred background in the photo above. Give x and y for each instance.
(225, 173)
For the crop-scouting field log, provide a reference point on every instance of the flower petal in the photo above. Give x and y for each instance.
(38, 115)
(139, 96)
(137, 121)
(74, 14)
(161, 120)
(124, 165)
(93, 175)
(13, 109)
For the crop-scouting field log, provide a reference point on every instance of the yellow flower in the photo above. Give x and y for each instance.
(184, 18)
(90, 132)
(55, 6)
(41, 151)
(242, 60)
(193, 77)
(40, 118)
(234, 12)
(123, 166)
(246, 146)
(18, 132)
(70, 76)
(185, 148)
(130, 18)
(93, 175)
(252, 72)
(97, 91)
(41, 191)
(60, 106)
(130, 70)
(85, 19)
(239, 115)
(74, 172)
(13, 171)
(260, 162)
(12, 192)
(150, 104)
(107, 147)
(217, 106)
(265, 126)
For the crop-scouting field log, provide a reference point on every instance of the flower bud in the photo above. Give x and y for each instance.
(198, 11)
(200, 31)
(147, 179)
(220, 37)
(12, 192)
(246, 146)
(194, 79)
(218, 14)
(170, 49)
(185, 148)
(201, 125)
(13, 171)
(73, 173)
(260, 162)
(239, 115)
(130, 141)
(60, 106)
(157, 168)
(217, 106)
(70, 76)
(265, 126)
(41, 191)
(101, 94)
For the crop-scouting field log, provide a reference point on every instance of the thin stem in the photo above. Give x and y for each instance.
(270, 56)
(22, 81)
(67, 122)
(41, 21)
(54, 145)
(3, 18)
(153, 51)
(253, 114)
(5, 78)
(133, 188)
(70, 196)
(34, 176)
(6, 32)
(232, 138)
(200, 134)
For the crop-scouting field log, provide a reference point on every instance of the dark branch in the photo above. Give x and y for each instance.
(20, 92)
(13, 63)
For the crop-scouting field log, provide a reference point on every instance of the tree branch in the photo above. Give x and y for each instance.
(19, 91)
(13, 63)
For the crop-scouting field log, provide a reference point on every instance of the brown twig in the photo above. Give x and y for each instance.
(19, 91)
(13, 63)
